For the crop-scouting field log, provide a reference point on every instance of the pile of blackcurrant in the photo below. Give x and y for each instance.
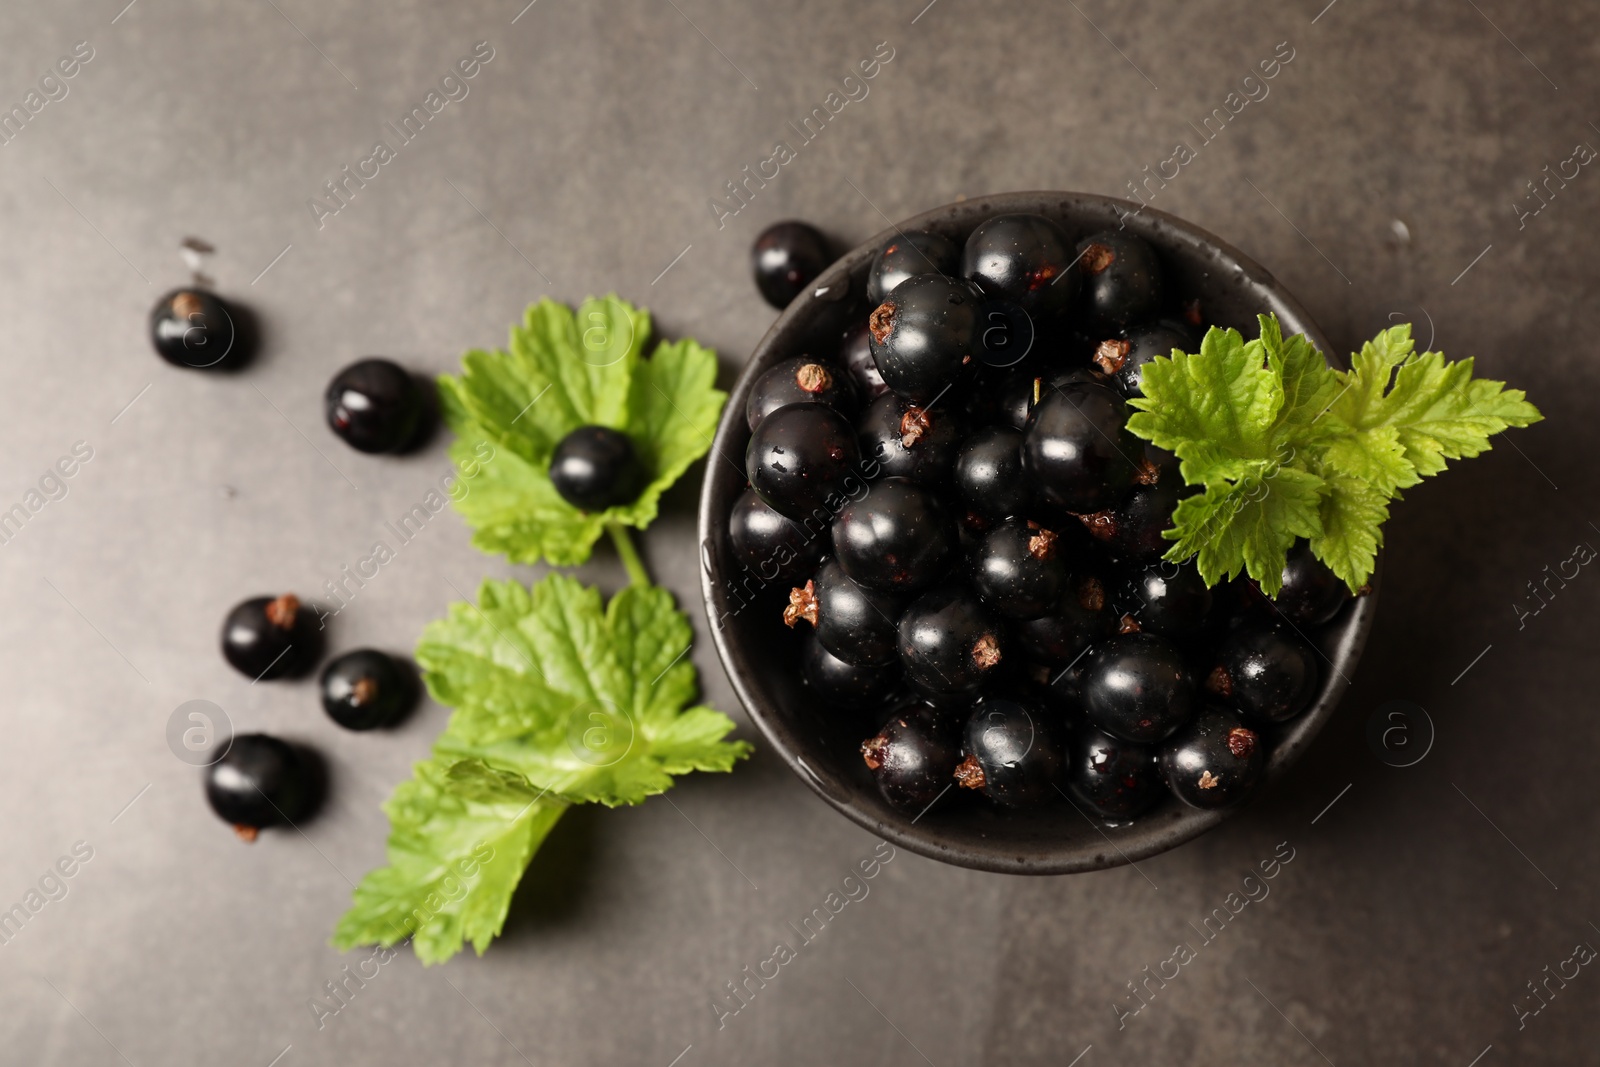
(972, 540)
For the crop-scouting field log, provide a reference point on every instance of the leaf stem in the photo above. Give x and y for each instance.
(629, 555)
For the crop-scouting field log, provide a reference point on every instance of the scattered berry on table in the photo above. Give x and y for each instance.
(595, 468)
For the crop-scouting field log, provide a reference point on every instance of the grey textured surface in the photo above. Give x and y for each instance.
(1414, 910)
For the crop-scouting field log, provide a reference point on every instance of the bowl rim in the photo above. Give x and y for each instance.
(1140, 838)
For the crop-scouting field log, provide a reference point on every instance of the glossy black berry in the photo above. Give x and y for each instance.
(857, 625)
(1123, 359)
(365, 689)
(1012, 755)
(1131, 529)
(949, 642)
(1078, 449)
(374, 405)
(845, 685)
(1169, 599)
(1312, 594)
(1025, 258)
(1267, 672)
(1214, 761)
(803, 460)
(988, 474)
(855, 355)
(595, 468)
(896, 538)
(1024, 387)
(772, 545)
(1121, 279)
(1079, 617)
(197, 329)
(1137, 687)
(908, 441)
(1018, 570)
(914, 756)
(907, 255)
(271, 637)
(1006, 334)
(786, 258)
(261, 781)
(1117, 779)
(923, 335)
(802, 380)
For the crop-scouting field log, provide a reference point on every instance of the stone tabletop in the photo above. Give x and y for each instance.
(1422, 161)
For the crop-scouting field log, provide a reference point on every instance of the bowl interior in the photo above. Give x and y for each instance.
(822, 744)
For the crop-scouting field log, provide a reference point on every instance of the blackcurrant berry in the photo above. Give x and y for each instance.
(857, 625)
(786, 258)
(1267, 673)
(365, 689)
(271, 637)
(1169, 599)
(1079, 617)
(595, 468)
(261, 781)
(1118, 779)
(1132, 529)
(1012, 755)
(855, 354)
(923, 335)
(803, 459)
(1123, 359)
(1214, 761)
(801, 381)
(1312, 594)
(909, 441)
(913, 757)
(1078, 449)
(1138, 687)
(771, 544)
(988, 474)
(1006, 334)
(846, 685)
(949, 643)
(374, 405)
(197, 329)
(1025, 258)
(1025, 386)
(906, 255)
(895, 538)
(1018, 570)
(1121, 278)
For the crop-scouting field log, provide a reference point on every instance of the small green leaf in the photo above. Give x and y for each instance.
(585, 702)
(1286, 447)
(560, 371)
(461, 836)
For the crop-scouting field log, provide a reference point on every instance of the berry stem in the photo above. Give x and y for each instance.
(629, 555)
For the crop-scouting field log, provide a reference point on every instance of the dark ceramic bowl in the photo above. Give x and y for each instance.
(822, 744)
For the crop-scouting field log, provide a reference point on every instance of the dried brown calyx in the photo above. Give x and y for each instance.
(881, 321)
(1101, 524)
(1209, 780)
(247, 834)
(914, 425)
(1191, 311)
(365, 691)
(802, 605)
(281, 612)
(1042, 545)
(1092, 595)
(185, 305)
(813, 377)
(874, 750)
(1097, 257)
(1220, 682)
(1241, 742)
(969, 774)
(1146, 473)
(1110, 355)
(986, 652)
(1128, 625)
